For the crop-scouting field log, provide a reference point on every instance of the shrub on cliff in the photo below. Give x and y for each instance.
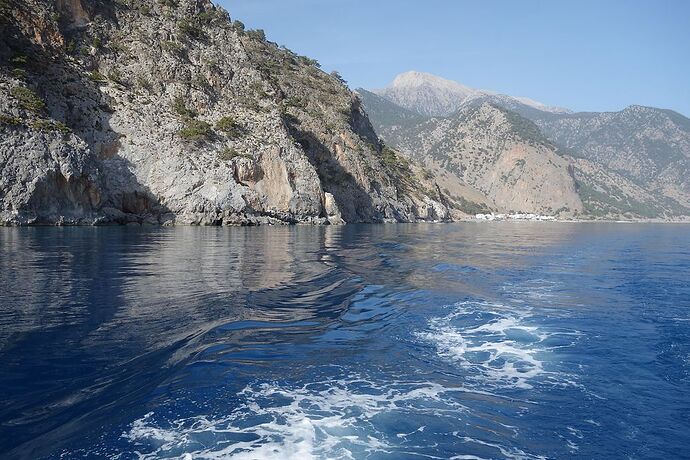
(228, 126)
(28, 99)
(195, 130)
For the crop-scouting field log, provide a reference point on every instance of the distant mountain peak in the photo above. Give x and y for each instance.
(434, 96)
(414, 79)
(428, 94)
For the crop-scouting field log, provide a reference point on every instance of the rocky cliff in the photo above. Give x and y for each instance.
(169, 112)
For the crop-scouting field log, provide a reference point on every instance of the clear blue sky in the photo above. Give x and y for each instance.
(580, 54)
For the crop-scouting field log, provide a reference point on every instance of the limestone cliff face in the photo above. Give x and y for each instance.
(168, 112)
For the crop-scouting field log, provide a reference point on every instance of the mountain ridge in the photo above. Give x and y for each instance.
(627, 164)
(431, 95)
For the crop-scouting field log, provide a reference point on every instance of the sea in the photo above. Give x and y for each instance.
(486, 340)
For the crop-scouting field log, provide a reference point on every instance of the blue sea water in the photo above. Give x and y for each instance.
(465, 341)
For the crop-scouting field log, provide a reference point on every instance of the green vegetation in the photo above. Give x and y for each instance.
(19, 74)
(19, 60)
(209, 17)
(195, 130)
(600, 204)
(9, 120)
(392, 159)
(71, 47)
(190, 28)
(296, 102)
(335, 74)
(257, 34)
(239, 26)
(28, 99)
(309, 61)
(525, 129)
(229, 127)
(399, 169)
(470, 207)
(97, 77)
(144, 83)
(180, 107)
(50, 125)
(119, 48)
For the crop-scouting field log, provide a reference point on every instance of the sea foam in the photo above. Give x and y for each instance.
(346, 419)
(496, 345)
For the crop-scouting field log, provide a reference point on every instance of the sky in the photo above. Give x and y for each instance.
(585, 55)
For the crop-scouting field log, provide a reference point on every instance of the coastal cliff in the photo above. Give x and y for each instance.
(169, 112)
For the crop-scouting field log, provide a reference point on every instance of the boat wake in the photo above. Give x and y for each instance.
(497, 346)
(349, 419)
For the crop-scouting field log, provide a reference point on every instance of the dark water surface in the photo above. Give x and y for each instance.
(466, 341)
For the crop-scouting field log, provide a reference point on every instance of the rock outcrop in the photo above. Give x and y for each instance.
(170, 113)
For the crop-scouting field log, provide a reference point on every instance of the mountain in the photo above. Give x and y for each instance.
(648, 146)
(485, 158)
(169, 112)
(627, 164)
(433, 96)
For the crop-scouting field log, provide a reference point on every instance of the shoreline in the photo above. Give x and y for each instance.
(316, 224)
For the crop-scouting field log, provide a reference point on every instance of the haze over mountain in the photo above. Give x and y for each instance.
(434, 96)
(632, 163)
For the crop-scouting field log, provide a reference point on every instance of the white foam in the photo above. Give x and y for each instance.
(317, 420)
(495, 344)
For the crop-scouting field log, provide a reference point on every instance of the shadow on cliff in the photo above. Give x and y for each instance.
(354, 202)
(105, 188)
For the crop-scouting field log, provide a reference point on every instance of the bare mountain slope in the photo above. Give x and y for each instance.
(628, 164)
(489, 158)
(649, 146)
